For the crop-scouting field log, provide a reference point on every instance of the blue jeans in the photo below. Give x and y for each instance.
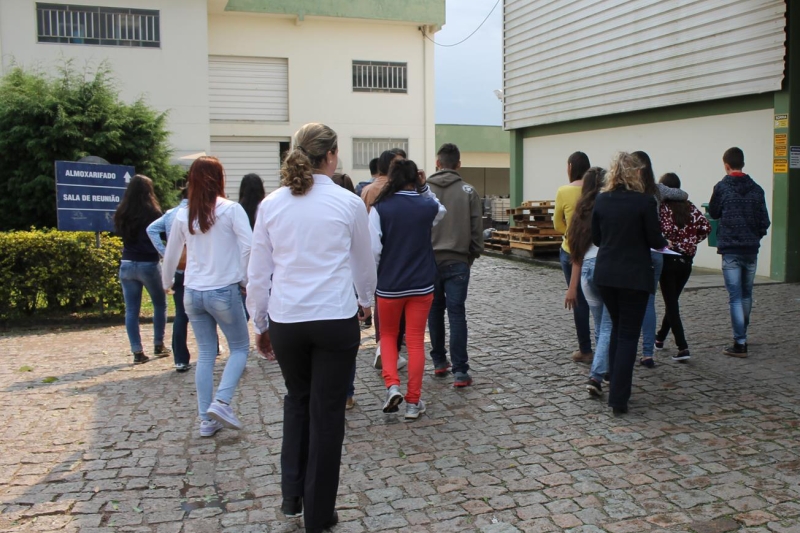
(450, 292)
(206, 309)
(133, 275)
(581, 312)
(602, 321)
(650, 321)
(180, 327)
(739, 272)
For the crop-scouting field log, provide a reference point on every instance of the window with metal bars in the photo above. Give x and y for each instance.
(380, 77)
(365, 150)
(94, 25)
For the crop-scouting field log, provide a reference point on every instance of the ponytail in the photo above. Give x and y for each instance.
(297, 171)
(312, 143)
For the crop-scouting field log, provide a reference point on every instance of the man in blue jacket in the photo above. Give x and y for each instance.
(738, 203)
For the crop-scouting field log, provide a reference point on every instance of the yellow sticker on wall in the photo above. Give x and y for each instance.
(780, 166)
(781, 121)
(781, 151)
(781, 139)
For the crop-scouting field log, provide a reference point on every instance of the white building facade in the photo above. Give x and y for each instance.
(239, 77)
(682, 80)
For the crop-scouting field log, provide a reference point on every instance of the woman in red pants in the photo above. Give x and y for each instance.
(400, 228)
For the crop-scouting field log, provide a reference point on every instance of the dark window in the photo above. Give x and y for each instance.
(107, 26)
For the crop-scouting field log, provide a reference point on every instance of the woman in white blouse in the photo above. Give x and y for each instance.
(217, 236)
(311, 243)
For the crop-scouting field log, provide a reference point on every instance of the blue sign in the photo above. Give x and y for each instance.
(87, 195)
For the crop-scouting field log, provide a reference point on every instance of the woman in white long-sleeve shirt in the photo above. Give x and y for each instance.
(310, 245)
(217, 236)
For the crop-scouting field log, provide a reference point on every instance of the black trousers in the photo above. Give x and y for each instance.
(677, 269)
(316, 359)
(627, 308)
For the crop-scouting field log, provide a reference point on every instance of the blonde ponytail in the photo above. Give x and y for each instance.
(312, 143)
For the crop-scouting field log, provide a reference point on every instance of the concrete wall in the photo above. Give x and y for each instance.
(173, 77)
(691, 148)
(320, 54)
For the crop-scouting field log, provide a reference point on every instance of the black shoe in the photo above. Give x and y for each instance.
(139, 358)
(682, 355)
(292, 507)
(647, 362)
(620, 410)
(737, 350)
(659, 345)
(181, 368)
(607, 377)
(332, 521)
(161, 351)
(595, 388)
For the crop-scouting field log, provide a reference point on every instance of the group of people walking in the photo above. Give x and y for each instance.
(312, 259)
(625, 236)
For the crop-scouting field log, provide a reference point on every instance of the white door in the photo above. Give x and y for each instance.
(240, 157)
(248, 89)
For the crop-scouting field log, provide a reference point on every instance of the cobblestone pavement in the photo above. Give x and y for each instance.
(709, 446)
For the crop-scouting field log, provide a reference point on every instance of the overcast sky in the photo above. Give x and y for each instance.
(467, 74)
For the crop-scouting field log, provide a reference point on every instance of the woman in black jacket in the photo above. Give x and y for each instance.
(625, 227)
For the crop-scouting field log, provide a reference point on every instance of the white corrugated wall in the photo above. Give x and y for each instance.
(248, 88)
(240, 157)
(567, 60)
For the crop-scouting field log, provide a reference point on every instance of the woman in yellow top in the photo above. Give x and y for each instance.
(566, 200)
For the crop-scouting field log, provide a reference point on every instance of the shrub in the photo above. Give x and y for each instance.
(55, 270)
(45, 119)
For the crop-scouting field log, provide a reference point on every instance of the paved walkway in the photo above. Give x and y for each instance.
(92, 444)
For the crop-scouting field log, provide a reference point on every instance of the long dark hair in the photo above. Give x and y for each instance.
(251, 192)
(138, 208)
(578, 165)
(648, 178)
(579, 233)
(681, 210)
(402, 173)
(206, 184)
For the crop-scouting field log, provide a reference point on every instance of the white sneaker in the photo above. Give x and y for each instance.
(377, 362)
(402, 362)
(224, 415)
(414, 410)
(209, 427)
(393, 398)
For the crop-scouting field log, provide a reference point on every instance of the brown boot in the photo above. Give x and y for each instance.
(580, 357)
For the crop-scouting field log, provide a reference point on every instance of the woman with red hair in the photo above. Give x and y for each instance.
(217, 235)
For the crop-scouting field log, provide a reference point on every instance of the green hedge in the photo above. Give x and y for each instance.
(50, 270)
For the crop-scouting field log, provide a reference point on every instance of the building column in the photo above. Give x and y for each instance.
(516, 175)
(785, 265)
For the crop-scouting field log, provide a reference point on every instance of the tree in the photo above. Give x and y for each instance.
(44, 119)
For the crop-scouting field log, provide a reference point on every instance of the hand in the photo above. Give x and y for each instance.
(264, 345)
(365, 313)
(421, 178)
(571, 301)
(169, 291)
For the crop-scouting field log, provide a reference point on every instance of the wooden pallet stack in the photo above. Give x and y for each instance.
(533, 230)
(499, 242)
